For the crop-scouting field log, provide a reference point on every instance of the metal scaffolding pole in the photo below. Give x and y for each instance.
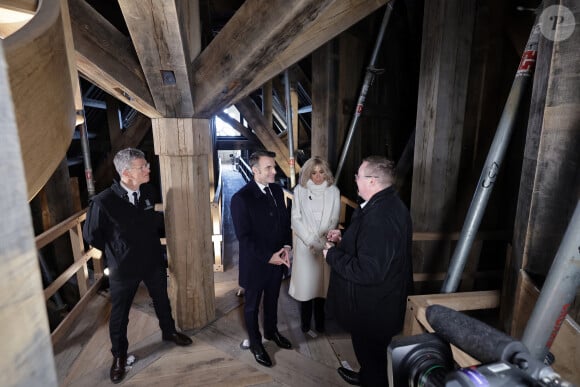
(557, 293)
(492, 163)
(368, 81)
(289, 129)
(86, 155)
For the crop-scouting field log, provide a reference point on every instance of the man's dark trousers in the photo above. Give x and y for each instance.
(271, 291)
(370, 349)
(123, 291)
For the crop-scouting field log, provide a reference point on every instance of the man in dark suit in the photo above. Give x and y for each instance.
(122, 222)
(262, 225)
(371, 271)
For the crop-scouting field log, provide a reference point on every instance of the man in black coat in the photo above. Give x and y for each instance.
(371, 271)
(262, 225)
(122, 222)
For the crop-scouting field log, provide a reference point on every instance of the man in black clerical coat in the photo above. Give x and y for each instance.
(371, 271)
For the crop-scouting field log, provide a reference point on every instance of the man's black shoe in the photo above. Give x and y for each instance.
(280, 340)
(349, 376)
(261, 355)
(178, 338)
(117, 373)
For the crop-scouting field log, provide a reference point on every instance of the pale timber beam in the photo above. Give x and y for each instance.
(27, 358)
(260, 42)
(263, 131)
(38, 67)
(163, 43)
(14, 14)
(184, 149)
(106, 57)
(22, 6)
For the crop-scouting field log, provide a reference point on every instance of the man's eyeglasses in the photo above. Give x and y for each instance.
(142, 167)
(356, 176)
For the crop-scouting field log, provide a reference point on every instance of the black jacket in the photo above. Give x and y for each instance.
(261, 230)
(372, 268)
(127, 234)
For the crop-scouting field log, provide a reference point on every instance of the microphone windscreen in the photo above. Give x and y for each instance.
(472, 336)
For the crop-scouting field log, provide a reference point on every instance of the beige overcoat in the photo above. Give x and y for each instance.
(310, 272)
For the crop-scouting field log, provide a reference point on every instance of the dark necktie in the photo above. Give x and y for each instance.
(270, 197)
(135, 199)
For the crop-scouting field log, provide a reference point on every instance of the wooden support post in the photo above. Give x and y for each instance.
(183, 146)
(549, 183)
(324, 102)
(27, 358)
(57, 192)
(75, 195)
(443, 81)
(267, 97)
(217, 237)
(295, 127)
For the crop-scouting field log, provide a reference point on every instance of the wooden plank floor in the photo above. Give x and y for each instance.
(215, 358)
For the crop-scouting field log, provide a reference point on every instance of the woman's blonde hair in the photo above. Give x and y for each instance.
(309, 166)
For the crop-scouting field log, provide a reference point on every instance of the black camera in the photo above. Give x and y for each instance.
(426, 360)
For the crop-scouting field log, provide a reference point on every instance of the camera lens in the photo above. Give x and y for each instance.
(428, 368)
(419, 361)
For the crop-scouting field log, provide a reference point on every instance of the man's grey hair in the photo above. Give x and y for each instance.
(124, 157)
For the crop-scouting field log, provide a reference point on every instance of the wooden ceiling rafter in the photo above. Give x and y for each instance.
(105, 57)
(225, 72)
(163, 34)
(265, 134)
(251, 39)
(237, 125)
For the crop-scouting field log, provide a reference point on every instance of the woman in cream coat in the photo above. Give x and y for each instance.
(315, 211)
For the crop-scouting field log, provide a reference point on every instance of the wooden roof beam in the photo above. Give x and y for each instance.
(106, 58)
(165, 34)
(259, 42)
(265, 134)
(235, 124)
(251, 39)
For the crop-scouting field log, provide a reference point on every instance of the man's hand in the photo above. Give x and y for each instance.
(327, 246)
(280, 257)
(334, 236)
